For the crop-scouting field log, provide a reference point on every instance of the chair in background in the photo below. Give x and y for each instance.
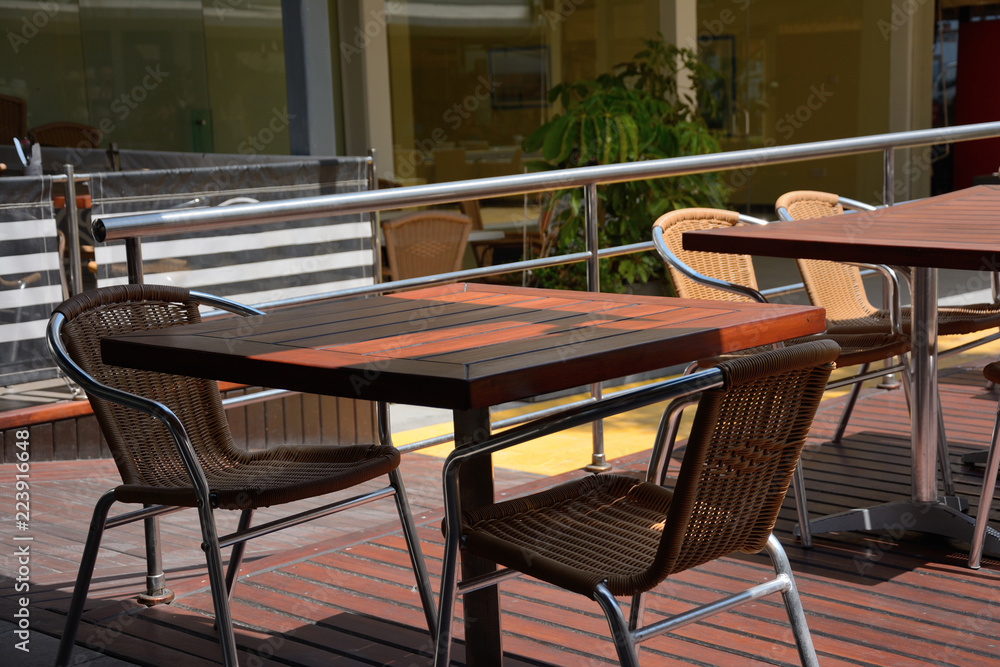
(13, 119)
(612, 535)
(425, 243)
(839, 288)
(171, 441)
(67, 135)
(723, 276)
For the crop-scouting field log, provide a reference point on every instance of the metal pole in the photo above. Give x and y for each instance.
(598, 462)
(156, 581)
(73, 230)
(133, 259)
(888, 198)
(374, 218)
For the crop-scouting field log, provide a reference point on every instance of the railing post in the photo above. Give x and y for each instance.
(888, 199)
(73, 232)
(598, 462)
(156, 581)
(373, 218)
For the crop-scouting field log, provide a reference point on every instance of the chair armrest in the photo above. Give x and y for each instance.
(623, 401)
(225, 304)
(668, 256)
(891, 283)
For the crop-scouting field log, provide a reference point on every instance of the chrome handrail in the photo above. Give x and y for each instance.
(107, 229)
(133, 227)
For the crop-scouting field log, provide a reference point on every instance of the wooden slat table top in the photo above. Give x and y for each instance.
(460, 346)
(958, 230)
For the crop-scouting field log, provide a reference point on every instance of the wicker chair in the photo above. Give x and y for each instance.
(613, 535)
(67, 135)
(709, 275)
(838, 287)
(426, 243)
(171, 442)
(992, 374)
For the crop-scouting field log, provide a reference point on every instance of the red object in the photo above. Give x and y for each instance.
(977, 99)
(82, 201)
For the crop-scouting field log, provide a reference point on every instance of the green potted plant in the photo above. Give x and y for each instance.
(634, 113)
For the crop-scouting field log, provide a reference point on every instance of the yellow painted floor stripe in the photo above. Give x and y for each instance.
(623, 435)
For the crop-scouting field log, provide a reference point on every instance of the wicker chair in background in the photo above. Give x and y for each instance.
(710, 275)
(425, 243)
(839, 288)
(613, 535)
(67, 135)
(172, 445)
(13, 119)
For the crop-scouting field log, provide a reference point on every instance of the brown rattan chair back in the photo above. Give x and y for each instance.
(67, 135)
(612, 535)
(426, 243)
(835, 286)
(738, 463)
(178, 451)
(143, 449)
(13, 119)
(732, 268)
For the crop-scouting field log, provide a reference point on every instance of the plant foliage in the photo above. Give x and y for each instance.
(634, 113)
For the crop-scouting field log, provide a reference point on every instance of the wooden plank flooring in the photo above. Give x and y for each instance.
(894, 598)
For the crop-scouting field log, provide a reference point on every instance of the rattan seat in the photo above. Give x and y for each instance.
(425, 243)
(171, 443)
(615, 535)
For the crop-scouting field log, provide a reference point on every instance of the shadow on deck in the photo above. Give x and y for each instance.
(894, 598)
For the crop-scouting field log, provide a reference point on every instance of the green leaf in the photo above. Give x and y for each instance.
(552, 145)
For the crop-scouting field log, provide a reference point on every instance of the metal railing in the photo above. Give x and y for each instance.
(132, 228)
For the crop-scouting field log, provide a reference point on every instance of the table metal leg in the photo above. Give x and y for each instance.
(483, 645)
(925, 511)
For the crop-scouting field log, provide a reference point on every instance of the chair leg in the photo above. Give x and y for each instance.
(624, 643)
(845, 416)
(416, 553)
(793, 604)
(83, 577)
(236, 557)
(802, 505)
(985, 498)
(636, 611)
(217, 583)
(446, 602)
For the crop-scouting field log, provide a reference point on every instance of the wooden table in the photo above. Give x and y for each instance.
(959, 230)
(466, 348)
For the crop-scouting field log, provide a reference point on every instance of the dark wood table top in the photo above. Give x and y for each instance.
(460, 346)
(958, 230)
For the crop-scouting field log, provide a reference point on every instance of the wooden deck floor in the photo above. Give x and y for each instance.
(871, 599)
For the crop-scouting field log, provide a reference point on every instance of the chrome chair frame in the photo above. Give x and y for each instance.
(625, 633)
(221, 583)
(669, 430)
